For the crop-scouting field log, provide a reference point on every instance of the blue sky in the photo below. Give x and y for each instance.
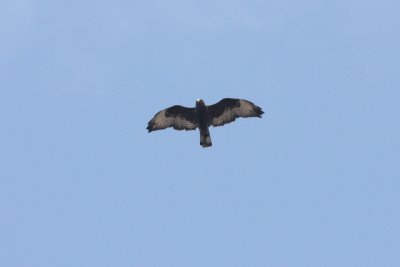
(313, 183)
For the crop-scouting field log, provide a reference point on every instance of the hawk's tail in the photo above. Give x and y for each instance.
(205, 138)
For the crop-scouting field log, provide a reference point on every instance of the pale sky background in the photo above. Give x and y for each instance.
(313, 183)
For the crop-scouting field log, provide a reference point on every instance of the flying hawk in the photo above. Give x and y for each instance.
(202, 116)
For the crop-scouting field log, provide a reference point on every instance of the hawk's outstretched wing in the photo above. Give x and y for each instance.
(228, 109)
(178, 117)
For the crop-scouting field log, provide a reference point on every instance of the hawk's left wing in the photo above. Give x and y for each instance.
(178, 117)
(228, 109)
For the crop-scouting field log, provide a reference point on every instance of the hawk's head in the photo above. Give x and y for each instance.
(200, 101)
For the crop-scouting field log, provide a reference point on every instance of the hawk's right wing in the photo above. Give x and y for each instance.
(229, 109)
(178, 117)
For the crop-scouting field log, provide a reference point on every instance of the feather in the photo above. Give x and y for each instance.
(229, 109)
(177, 117)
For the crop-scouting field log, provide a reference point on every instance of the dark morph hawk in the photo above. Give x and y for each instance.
(202, 116)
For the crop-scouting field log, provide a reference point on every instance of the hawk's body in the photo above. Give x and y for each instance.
(202, 116)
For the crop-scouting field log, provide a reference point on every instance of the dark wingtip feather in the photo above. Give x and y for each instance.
(259, 112)
(149, 127)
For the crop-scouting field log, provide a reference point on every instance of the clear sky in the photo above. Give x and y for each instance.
(315, 182)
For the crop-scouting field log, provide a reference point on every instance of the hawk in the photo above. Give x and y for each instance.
(202, 116)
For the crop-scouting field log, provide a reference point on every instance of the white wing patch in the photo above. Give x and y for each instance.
(246, 109)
